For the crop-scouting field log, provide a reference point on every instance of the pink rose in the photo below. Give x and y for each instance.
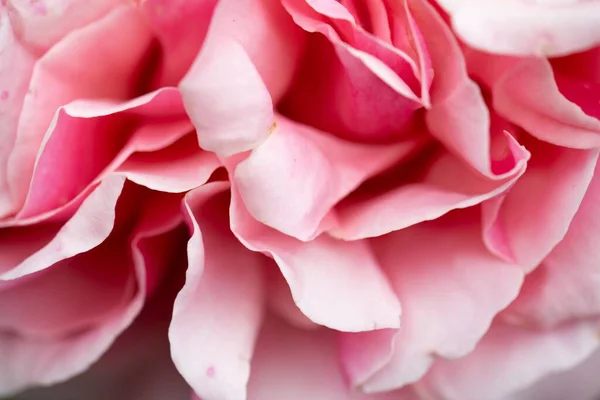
(374, 209)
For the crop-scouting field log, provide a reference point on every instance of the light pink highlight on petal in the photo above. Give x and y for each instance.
(217, 314)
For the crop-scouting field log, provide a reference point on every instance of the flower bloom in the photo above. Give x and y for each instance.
(330, 199)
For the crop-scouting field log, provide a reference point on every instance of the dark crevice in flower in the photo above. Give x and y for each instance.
(148, 71)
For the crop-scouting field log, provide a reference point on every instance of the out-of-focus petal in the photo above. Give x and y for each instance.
(522, 27)
(294, 364)
(15, 72)
(42, 23)
(509, 359)
(30, 361)
(580, 382)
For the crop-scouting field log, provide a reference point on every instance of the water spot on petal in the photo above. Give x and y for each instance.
(210, 372)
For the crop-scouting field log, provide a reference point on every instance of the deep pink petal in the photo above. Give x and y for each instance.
(351, 83)
(180, 26)
(218, 312)
(68, 162)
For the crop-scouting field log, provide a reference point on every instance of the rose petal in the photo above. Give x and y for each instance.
(109, 72)
(509, 359)
(335, 283)
(309, 172)
(566, 286)
(293, 364)
(29, 362)
(89, 226)
(180, 27)
(15, 72)
(355, 86)
(449, 298)
(281, 302)
(526, 93)
(68, 162)
(522, 27)
(218, 312)
(178, 168)
(448, 185)
(466, 133)
(42, 23)
(580, 382)
(532, 218)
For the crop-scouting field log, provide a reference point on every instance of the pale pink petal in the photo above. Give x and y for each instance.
(27, 361)
(42, 23)
(217, 314)
(509, 359)
(359, 88)
(566, 286)
(580, 382)
(109, 72)
(226, 99)
(294, 364)
(89, 226)
(308, 173)
(178, 168)
(281, 302)
(449, 297)
(526, 93)
(448, 184)
(245, 65)
(522, 27)
(137, 366)
(533, 217)
(16, 65)
(335, 283)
